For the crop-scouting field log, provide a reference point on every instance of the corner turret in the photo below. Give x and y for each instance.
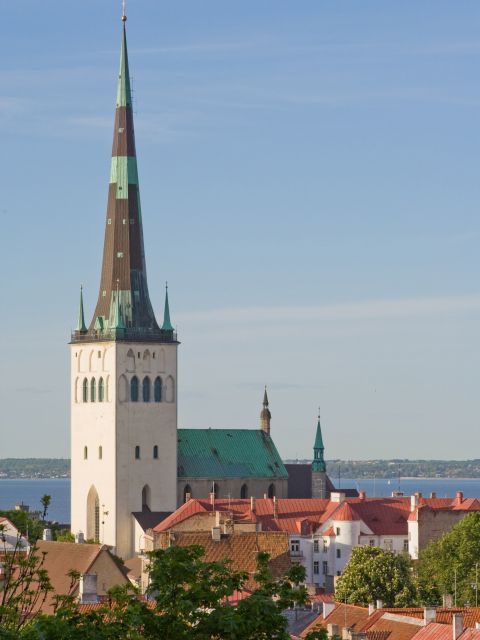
(319, 468)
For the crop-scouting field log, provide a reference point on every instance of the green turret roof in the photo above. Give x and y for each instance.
(318, 463)
(81, 328)
(167, 325)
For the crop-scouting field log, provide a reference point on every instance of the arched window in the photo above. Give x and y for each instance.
(169, 390)
(100, 453)
(101, 390)
(215, 489)
(130, 360)
(271, 491)
(146, 495)
(85, 453)
(123, 389)
(244, 491)
(146, 389)
(155, 452)
(93, 390)
(137, 452)
(134, 389)
(85, 390)
(157, 389)
(187, 493)
(93, 515)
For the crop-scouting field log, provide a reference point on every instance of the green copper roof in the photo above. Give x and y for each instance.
(81, 328)
(118, 321)
(318, 463)
(217, 453)
(124, 94)
(167, 325)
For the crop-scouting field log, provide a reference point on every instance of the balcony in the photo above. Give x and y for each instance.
(129, 334)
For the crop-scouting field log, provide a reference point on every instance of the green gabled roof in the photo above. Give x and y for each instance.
(217, 453)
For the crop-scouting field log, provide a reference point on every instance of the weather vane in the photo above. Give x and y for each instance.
(124, 17)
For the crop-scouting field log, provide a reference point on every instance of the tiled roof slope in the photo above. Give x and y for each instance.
(223, 453)
(289, 512)
(435, 631)
(240, 548)
(400, 627)
(62, 557)
(343, 615)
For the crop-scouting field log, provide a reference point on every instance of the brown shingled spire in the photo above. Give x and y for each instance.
(265, 415)
(123, 282)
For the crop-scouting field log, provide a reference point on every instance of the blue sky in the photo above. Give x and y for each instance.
(309, 178)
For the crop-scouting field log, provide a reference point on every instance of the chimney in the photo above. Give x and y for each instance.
(379, 604)
(371, 608)
(433, 494)
(477, 625)
(216, 534)
(275, 507)
(47, 535)
(253, 504)
(457, 625)
(447, 601)
(459, 497)
(328, 607)
(415, 500)
(188, 496)
(362, 495)
(87, 591)
(264, 496)
(337, 496)
(429, 615)
(212, 498)
(79, 537)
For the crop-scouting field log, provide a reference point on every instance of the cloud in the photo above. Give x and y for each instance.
(365, 310)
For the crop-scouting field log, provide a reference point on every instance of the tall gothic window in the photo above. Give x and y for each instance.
(146, 389)
(271, 491)
(187, 492)
(137, 452)
(244, 491)
(85, 390)
(155, 452)
(101, 390)
(93, 390)
(134, 389)
(157, 389)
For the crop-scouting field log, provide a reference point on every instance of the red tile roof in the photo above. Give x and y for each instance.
(383, 516)
(345, 513)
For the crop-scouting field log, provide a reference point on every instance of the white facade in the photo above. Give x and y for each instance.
(123, 451)
(326, 556)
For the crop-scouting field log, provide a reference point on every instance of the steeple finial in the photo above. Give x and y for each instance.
(81, 328)
(124, 17)
(167, 325)
(318, 463)
(265, 415)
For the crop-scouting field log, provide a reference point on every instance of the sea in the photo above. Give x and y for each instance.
(30, 491)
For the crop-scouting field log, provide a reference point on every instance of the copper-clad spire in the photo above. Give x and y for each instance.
(123, 283)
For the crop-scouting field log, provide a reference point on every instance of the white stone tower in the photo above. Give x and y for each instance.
(123, 370)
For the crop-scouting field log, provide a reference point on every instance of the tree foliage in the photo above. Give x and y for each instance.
(373, 574)
(189, 599)
(452, 564)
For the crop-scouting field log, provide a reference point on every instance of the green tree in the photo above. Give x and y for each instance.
(45, 501)
(452, 564)
(372, 574)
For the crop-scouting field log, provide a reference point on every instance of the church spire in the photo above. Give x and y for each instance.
(123, 284)
(81, 328)
(318, 463)
(167, 325)
(265, 415)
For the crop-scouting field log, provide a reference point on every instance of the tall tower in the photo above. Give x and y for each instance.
(265, 415)
(319, 469)
(123, 369)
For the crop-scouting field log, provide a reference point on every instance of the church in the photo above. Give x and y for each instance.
(130, 463)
